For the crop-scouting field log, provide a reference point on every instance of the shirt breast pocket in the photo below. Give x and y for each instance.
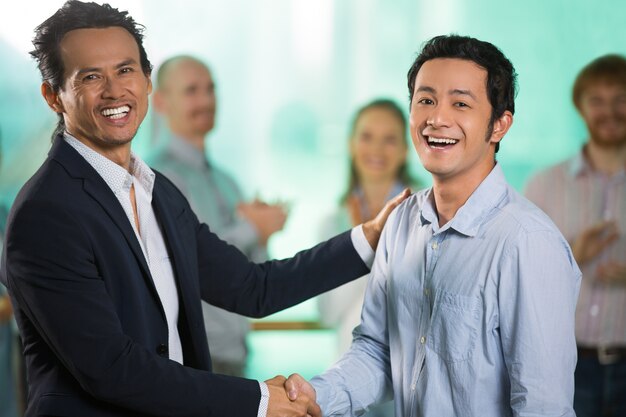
(454, 326)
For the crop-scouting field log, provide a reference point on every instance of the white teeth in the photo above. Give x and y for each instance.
(115, 113)
(444, 141)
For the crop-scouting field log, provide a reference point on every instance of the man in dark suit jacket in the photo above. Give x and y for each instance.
(106, 263)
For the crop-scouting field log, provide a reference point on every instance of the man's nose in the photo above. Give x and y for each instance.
(113, 88)
(618, 109)
(439, 117)
(208, 99)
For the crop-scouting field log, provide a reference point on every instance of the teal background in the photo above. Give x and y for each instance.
(289, 75)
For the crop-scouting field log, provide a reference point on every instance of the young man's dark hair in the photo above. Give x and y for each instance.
(610, 69)
(501, 76)
(78, 15)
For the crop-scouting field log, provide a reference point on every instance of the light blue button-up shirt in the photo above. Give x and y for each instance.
(474, 318)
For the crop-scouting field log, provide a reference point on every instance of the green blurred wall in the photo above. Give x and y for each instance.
(291, 72)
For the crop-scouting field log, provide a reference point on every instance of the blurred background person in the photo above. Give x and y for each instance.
(378, 171)
(185, 97)
(586, 197)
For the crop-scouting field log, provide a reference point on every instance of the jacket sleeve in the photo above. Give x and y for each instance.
(230, 281)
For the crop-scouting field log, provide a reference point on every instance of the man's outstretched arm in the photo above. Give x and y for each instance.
(362, 377)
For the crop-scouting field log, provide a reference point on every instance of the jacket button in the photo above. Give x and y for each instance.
(161, 349)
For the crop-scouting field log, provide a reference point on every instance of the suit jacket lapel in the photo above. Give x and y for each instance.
(189, 334)
(97, 188)
(167, 219)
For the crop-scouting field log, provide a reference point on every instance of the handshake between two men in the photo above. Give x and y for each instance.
(293, 396)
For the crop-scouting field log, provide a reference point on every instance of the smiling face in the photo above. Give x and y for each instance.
(449, 122)
(603, 107)
(377, 146)
(104, 96)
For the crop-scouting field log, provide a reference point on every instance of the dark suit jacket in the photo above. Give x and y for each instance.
(94, 330)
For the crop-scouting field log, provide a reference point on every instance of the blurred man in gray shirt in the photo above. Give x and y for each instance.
(185, 96)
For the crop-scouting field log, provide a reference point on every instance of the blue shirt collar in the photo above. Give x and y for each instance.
(476, 209)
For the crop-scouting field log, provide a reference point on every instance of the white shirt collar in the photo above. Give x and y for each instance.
(116, 177)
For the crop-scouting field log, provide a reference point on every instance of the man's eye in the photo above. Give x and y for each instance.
(126, 70)
(425, 101)
(365, 137)
(461, 104)
(90, 77)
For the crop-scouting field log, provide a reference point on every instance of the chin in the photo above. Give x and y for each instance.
(120, 139)
(204, 128)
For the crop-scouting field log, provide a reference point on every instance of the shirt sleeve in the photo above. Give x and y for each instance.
(362, 246)
(362, 377)
(265, 400)
(537, 296)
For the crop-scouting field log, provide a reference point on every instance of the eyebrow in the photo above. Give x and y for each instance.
(425, 89)
(129, 61)
(463, 93)
(456, 91)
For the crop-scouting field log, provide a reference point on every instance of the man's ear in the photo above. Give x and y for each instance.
(52, 97)
(149, 84)
(500, 126)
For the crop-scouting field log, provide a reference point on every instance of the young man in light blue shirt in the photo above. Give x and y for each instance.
(470, 306)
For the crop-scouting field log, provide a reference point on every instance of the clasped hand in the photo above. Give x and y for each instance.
(591, 243)
(292, 397)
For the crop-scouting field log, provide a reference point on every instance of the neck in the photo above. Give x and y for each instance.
(196, 140)
(607, 160)
(120, 154)
(120, 157)
(375, 194)
(452, 193)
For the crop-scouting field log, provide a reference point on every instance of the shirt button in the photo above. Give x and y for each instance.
(162, 349)
(434, 245)
(423, 340)
(426, 292)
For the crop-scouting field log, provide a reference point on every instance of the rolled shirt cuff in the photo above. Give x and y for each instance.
(362, 246)
(265, 399)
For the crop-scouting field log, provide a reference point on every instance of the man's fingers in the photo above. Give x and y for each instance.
(373, 228)
(603, 228)
(313, 409)
(293, 385)
(612, 273)
(594, 240)
(605, 234)
(278, 380)
(298, 388)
